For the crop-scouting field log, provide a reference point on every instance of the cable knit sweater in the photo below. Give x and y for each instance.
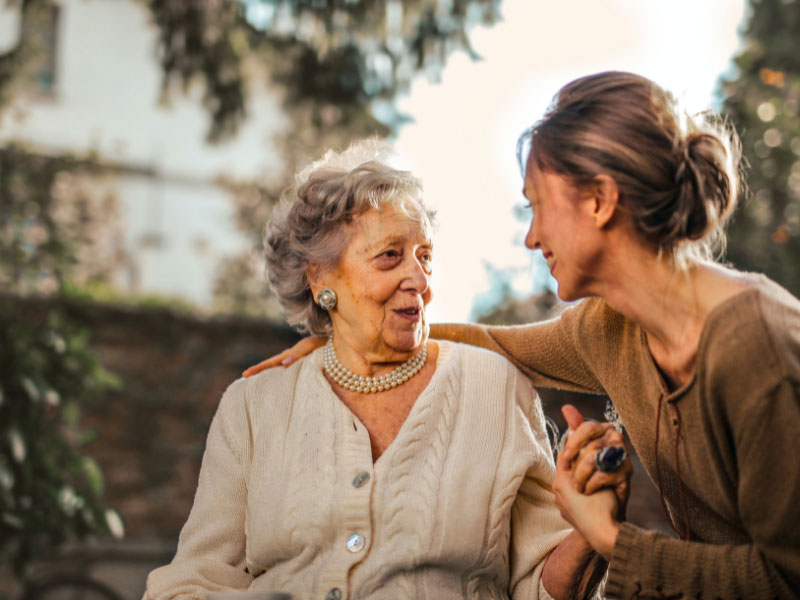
(459, 505)
(732, 431)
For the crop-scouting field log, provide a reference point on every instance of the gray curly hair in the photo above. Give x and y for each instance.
(308, 226)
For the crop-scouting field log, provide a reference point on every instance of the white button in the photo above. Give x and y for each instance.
(355, 542)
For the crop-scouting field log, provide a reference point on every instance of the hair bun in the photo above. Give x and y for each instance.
(704, 191)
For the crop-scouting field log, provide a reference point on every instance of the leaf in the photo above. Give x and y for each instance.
(94, 476)
(31, 389)
(17, 444)
(114, 522)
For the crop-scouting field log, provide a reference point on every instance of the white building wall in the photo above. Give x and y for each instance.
(107, 101)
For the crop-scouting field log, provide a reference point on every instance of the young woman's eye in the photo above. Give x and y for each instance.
(524, 210)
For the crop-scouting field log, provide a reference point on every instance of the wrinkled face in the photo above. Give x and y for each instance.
(382, 284)
(562, 229)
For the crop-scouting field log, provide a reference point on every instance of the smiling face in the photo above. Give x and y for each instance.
(382, 285)
(562, 227)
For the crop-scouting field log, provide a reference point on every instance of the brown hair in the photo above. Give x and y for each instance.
(678, 175)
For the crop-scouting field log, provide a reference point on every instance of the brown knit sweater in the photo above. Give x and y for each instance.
(732, 434)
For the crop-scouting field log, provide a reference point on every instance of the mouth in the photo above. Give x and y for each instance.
(551, 261)
(409, 313)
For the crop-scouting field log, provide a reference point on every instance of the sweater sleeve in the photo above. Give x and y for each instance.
(211, 547)
(536, 525)
(548, 352)
(651, 564)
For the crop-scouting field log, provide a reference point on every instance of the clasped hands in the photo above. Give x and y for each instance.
(592, 501)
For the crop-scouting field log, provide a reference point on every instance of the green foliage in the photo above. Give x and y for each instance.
(323, 53)
(49, 491)
(764, 103)
(57, 224)
(105, 293)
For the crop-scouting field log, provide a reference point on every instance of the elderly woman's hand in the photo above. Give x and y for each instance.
(302, 348)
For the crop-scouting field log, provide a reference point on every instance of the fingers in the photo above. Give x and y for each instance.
(583, 464)
(616, 480)
(572, 415)
(583, 435)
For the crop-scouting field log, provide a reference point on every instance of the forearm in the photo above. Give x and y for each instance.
(573, 570)
(653, 564)
(544, 351)
(465, 333)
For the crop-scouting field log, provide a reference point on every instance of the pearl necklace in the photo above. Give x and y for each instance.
(369, 385)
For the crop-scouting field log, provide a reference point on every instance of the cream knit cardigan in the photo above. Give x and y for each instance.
(459, 505)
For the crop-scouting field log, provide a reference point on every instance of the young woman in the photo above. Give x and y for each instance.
(629, 197)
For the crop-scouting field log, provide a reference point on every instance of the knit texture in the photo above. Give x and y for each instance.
(732, 431)
(458, 506)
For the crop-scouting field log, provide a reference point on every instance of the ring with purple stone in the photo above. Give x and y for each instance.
(610, 458)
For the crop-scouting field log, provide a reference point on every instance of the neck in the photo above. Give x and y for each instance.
(670, 304)
(370, 360)
(664, 301)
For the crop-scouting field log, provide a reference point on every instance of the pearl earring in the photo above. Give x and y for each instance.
(326, 298)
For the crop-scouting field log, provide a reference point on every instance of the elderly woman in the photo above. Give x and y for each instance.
(375, 467)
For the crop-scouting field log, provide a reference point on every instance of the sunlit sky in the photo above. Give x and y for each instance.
(465, 128)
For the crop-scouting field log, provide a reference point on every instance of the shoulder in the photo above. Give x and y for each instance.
(283, 376)
(277, 385)
(486, 373)
(752, 341)
(760, 324)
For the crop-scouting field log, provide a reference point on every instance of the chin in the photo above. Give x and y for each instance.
(566, 294)
(410, 341)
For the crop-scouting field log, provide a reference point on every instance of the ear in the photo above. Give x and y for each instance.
(312, 275)
(605, 199)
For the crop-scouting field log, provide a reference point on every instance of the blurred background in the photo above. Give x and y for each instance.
(143, 144)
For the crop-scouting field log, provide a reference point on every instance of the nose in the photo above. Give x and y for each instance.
(416, 278)
(531, 238)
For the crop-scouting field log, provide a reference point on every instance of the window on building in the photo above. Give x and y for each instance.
(40, 28)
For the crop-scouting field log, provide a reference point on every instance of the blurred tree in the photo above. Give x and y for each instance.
(57, 230)
(58, 226)
(50, 492)
(764, 102)
(334, 58)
